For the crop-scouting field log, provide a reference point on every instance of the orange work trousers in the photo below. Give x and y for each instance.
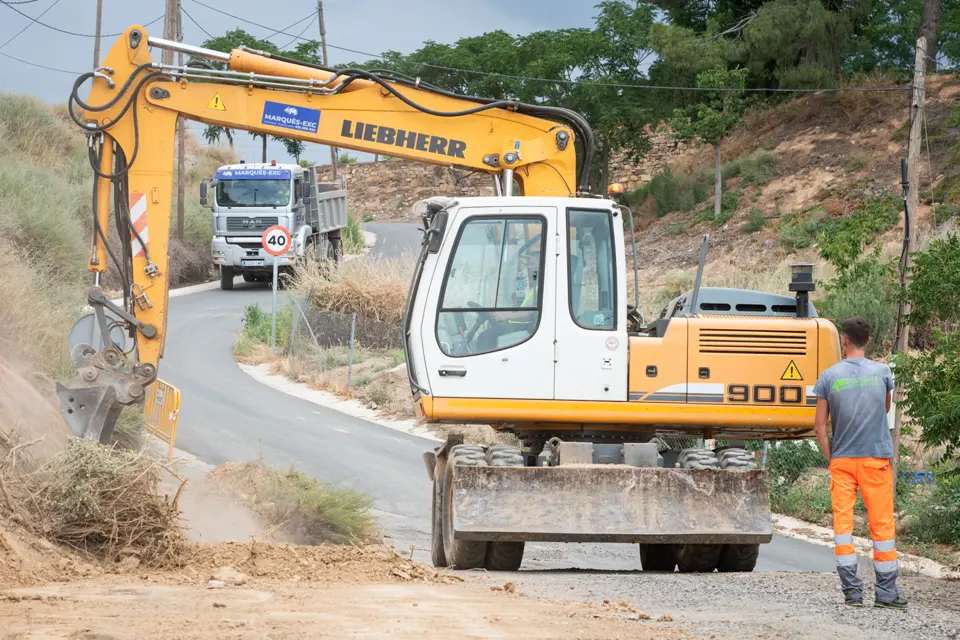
(874, 478)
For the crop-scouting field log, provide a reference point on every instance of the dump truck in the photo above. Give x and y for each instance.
(518, 314)
(247, 199)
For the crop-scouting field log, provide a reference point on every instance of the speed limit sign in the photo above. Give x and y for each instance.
(276, 240)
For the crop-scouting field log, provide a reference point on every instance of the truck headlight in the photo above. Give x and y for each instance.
(217, 254)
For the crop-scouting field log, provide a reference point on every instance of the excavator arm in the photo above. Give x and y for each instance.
(130, 117)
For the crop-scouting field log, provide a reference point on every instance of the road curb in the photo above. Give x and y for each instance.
(353, 408)
(822, 536)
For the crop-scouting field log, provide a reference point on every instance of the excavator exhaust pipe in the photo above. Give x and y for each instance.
(606, 503)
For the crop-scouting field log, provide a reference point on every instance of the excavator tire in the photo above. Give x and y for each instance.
(658, 557)
(460, 554)
(437, 556)
(504, 556)
(737, 459)
(738, 557)
(698, 558)
(226, 278)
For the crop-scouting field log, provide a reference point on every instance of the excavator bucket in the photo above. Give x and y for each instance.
(606, 503)
(91, 411)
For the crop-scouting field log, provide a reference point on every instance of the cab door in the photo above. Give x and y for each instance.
(492, 333)
(592, 349)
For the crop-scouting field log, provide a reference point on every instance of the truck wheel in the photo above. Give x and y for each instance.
(336, 250)
(698, 558)
(436, 524)
(504, 556)
(226, 278)
(461, 554)
(738, 557)
(658, 557)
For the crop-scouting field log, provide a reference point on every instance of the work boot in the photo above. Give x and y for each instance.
(853, 602)
(899, 603)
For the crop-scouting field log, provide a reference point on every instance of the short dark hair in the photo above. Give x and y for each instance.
(857, 331)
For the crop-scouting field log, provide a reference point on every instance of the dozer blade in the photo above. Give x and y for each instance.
(601, 503)
(91, 411)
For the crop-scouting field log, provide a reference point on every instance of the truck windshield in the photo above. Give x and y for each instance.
(253, 193)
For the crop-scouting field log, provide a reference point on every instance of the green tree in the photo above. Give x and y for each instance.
(716, 115)
(931, 378)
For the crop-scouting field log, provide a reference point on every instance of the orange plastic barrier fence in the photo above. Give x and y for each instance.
(161, 411)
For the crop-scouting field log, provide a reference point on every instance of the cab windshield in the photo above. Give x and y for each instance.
(253, 193)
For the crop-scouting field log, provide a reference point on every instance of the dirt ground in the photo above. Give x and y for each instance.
(109, 609)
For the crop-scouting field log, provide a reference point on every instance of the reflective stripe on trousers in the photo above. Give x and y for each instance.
(874, 479)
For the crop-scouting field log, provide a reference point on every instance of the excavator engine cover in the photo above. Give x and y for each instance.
(606, 503)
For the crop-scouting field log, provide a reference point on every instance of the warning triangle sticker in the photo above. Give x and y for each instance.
(791, 372)
(217, 103)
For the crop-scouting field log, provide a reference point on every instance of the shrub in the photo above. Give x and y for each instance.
(857, 162)
(374, 289)
(352, 236)
(868, 290)
(842, 240)
(346, 158)
(758, 167)
(799, 230)
(258, 326)
(755, 221)
(938, 517)
(944, 212)
(674, 229)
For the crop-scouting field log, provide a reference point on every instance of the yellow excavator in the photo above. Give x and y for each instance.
(518, 313)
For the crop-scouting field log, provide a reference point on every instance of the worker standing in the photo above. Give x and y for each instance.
(856, 394)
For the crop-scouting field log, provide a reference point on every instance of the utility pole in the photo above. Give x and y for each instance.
(323, 48)
(96, 42)
(181, 142)
(913, 201)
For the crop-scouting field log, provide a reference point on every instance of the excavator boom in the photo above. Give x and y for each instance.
(130, 117)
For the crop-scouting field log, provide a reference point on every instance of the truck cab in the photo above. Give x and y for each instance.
(248, 198)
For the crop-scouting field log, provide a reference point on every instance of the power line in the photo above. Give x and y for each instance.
(300, 35)
(39, 66)
(69, 33)
(199, 26)
(21, 2)
(29, 24)
(283, 31)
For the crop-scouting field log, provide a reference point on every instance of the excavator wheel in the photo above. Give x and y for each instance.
(461, 554)
(738, 557)
(658, 557)
(504, 556)
(698, 558)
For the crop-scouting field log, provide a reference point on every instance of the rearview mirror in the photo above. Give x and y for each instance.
(203, 193)
(305, 190)
(435, 232)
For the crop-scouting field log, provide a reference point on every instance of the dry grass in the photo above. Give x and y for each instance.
(305, 508)
(107, 503)
(374, 289)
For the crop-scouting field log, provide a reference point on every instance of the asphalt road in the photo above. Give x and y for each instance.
(227, 415)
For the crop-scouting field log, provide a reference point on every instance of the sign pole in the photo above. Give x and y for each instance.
(273, 332)
(276, 241)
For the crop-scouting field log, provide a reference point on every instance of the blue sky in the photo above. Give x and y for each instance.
(365, 25)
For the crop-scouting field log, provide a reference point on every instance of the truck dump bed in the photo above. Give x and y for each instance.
(327, 205)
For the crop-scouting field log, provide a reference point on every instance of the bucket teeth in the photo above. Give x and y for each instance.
(91, 412)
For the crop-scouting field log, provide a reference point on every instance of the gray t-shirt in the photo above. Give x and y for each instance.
(856, 392)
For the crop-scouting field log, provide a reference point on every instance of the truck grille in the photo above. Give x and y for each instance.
(754, 341)
(239, 224)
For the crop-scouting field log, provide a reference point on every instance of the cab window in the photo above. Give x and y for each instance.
(491, 297)
(590, 264)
